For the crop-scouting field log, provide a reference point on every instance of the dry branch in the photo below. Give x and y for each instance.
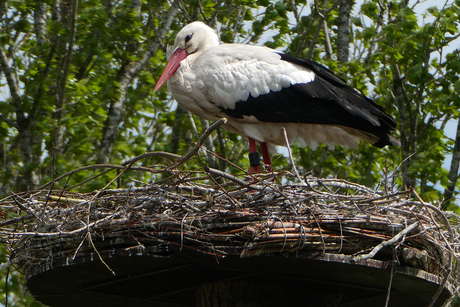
(211, 219)
(393, 240)
(235, 215)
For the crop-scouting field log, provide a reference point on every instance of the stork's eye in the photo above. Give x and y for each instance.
(188, 37)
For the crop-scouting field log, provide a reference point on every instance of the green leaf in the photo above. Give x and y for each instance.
(263, 3)
(280, 7)
(370, 9)
(23, 25)
(457, 86)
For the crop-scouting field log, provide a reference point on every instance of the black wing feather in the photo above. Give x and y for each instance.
(327, 100)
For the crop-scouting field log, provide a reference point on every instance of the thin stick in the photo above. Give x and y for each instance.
(387, 301)
(200, 142)
(15, 260)
(99, 255)
(233, 200)
(182, 232)
(6, 286)
(234, 179)
(122, 166)
(393, 240)
(290, 156)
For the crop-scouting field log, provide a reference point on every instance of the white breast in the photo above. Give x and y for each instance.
(226, 74)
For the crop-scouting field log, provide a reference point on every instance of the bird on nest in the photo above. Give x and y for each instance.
(260, 90)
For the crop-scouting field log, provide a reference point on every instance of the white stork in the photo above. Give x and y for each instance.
(260, 90)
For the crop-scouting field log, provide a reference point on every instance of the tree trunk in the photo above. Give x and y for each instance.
(116, 108)
(407, 135)
(408, 118)
(40, 20)
(343, 30)
(453, 172)
(58, 131)
(28, 179)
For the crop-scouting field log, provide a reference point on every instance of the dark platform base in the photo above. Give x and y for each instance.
(150, 278)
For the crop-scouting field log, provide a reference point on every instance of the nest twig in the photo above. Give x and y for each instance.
(353, 220)
(246, 216)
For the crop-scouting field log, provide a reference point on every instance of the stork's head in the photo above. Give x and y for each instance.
(196, 37)
(193, 38)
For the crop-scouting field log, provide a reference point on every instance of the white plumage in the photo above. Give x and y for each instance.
(260, 90)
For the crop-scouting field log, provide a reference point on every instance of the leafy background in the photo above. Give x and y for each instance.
(76, 80)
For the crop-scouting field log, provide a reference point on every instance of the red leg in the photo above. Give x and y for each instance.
(253, 155)
(266, 156)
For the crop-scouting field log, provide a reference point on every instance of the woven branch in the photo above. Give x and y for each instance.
(393, 240)
(353, 220)
(228, 215)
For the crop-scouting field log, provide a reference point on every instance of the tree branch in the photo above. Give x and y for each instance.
(117, 106)
(322, 16)
(8, 122)
(12, 85)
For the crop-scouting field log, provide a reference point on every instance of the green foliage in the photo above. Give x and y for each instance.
(59, 123)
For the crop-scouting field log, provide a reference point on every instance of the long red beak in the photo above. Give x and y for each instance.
(171, 68)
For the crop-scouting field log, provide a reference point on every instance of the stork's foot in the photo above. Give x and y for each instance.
(267, 161)
(268, 168)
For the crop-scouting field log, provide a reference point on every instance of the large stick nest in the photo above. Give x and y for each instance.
(233, 216)
(320, 215)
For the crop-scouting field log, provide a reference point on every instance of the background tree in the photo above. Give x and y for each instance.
(77, 79)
